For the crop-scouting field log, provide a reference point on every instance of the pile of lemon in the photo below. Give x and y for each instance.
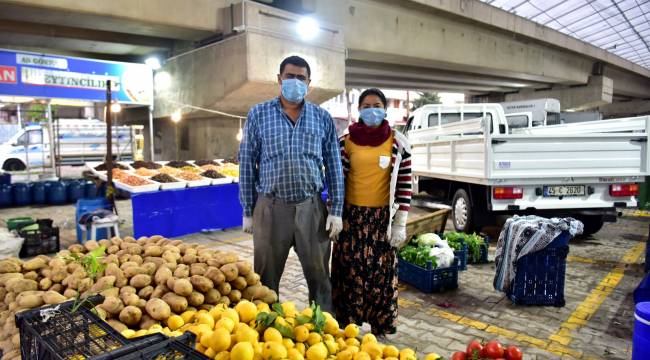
(225, 333)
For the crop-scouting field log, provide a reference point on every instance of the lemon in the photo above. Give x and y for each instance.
(314, 338)
(242, 351)
(327, 337)
(289, 309)
(246, 310)
(332, 347)
(301, 333)
(246, 334)
(353, 349)
(263, 307)
(327, 315)
(362, 355)
(140, 332)
(317, 352)
(200, 348)
(232, 315)
(188, 316)
(351, 331)
(205, 339)
(202, 329)
(257, 355)
(372, 348)
(294, 354)
(155, 326)
(307, 312)
(341, 343)
(220, 340)
(288, 343)
(368, 338)
(344, 355)
(224, 355)
(215, 312)
(128, 333)
(352, 342)
(274, 351)
(225, 323)
(301, 348)
(209, 353)
(272, 334)
(204, 318)
(174, 322)
(391, 351)
(153, 331)
(331, 326)
(391, 358)
(407, 354)
(432, 356)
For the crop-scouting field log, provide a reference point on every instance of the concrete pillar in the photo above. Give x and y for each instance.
(597, 92)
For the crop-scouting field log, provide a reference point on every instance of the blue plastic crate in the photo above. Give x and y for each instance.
(428, 280)
(462, 257)
(483, 258)
(540, 275)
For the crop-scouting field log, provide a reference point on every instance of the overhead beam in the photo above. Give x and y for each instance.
(625, 109)
(410, 84)
(597, 92)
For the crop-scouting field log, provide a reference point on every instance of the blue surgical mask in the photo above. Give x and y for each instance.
(294, 90)
(372, 116)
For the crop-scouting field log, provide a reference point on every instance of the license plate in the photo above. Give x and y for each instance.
(564, 190)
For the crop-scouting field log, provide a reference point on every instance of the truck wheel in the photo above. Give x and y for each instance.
(13, 165)
(461, 212)
(592, 224)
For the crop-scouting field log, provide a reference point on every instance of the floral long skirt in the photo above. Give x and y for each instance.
(364, 270)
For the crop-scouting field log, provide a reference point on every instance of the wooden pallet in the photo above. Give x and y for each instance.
(430, 223)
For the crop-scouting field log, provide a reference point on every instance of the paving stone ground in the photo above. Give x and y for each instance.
(602, 272)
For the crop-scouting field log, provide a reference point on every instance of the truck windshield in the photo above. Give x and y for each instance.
(22, 140)
(35, 137)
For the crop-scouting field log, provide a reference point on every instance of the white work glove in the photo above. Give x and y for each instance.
(334, 224)
(397, 235)
(247, 224)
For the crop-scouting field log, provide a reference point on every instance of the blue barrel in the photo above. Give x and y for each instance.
(5, 179)
(38, 193)
(75, 190)
(57, 193)
(22, 194)
(87, 205)
(90, 189)
(6, 196)
(641, 337)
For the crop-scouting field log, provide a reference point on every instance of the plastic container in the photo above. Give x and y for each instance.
(462, 257)
(90, 189)
(57, 193)
(22, 194)
(540, 275)
(6, 196)
(5, 179)
(38, 242)
(641, 337)
(19, 222)
(38, 193)
(428, 280)
(76, 190)
(483, 258)
(181, 348)
(87, 205)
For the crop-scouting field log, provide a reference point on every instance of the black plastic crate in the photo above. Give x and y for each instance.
(54, 332)
(428, 280)
(37, 242)
(483, 258)
(180, 348)
(462, 256)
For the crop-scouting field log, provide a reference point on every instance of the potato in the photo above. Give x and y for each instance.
(224, 288)
(189, 259)
(234, 296)
(158, 309)
(195, 298)
(45, 284)
(156, 261)
(70, 293)
(253, 292)
(162, 275)
(103, 283)
(224, 300)
(146, 322)
(182, 271)
(4, 278)
(214, 263)
(239, 283)
(152, 250)
(131, 315)
(182, 287)
(77, 248)
(53, 297)
(129, 299)
(243, 268)
(140, 281)
(124, 258)
(201, 283)
(136, 259)
(252, 279)
(128, 290)
(12, 354)
(34, 264)
(91, 245)
(84, 285)
(146, 292)
(142, 303)
(58, 274)
(127, 264)
(132, 271)
(215, 275)
(105, 243)
(115, 271)
(19, 285)
(156, 238)
(169, 256)
(57, 287)
(112, 305)
(113, 249)
(212, 296)
(177, 303)
(150, 268)
(117, 325)
(230, 271)
(30, 299)
(32, 275)
(228, 258)
(270, 297)
(170, 282)
(134, 249)
(198, 269)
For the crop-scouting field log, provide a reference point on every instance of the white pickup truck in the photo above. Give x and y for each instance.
(469, 156)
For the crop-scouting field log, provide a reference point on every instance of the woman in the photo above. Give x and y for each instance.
(377, 169)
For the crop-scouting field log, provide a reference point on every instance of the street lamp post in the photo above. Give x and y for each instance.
(176, 118)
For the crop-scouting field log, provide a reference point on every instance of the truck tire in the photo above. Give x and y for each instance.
(13, 165)
(461, 212)
(592, 223)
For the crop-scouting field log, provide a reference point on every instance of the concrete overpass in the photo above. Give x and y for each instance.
(226, 57)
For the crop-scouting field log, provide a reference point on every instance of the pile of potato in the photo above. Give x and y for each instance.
(145, 281)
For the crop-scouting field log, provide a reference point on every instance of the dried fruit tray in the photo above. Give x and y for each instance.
(196, 183)
(222, 181)
(154, 186)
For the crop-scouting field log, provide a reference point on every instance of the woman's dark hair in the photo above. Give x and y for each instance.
(296, 61)
(373, 91)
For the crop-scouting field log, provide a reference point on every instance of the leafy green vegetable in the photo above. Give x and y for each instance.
(265, 319)
(92, 265)
(285, 331)
(278, 309)
(428, 239)
(317, 317)
(418, 255)
(473, 241)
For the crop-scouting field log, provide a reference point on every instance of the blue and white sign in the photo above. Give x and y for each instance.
(53, 76)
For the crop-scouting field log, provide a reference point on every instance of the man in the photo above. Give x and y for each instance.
(286, 142)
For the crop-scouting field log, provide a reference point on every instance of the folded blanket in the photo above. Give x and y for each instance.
(522, 235)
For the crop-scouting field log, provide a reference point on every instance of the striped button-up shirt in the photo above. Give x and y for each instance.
(286, 160)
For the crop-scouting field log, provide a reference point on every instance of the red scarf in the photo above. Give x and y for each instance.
(364, 135)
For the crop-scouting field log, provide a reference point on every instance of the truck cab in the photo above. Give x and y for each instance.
(28, 146)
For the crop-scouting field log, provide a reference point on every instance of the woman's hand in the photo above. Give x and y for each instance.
(398, 236)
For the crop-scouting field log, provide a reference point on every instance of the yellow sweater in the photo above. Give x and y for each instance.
(368, 182)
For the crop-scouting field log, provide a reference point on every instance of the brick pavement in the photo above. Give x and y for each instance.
(604, 268)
